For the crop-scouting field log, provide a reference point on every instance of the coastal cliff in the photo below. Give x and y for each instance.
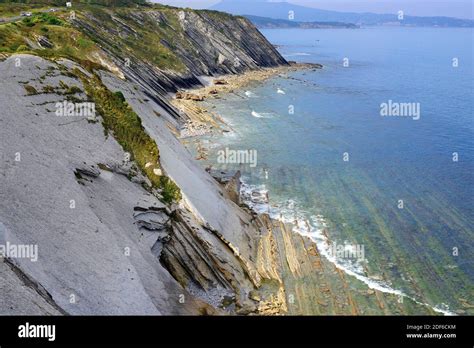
(165, 49)
(125, 219)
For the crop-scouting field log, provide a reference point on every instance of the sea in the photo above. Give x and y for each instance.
(374, 152)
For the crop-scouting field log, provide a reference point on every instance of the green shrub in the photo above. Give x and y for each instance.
(120, 96)
(22, 48)
(73, 90)
(129, 132)
(49, 89)
(170, 191)
(30, 90)
(47, 19)
(28, 22)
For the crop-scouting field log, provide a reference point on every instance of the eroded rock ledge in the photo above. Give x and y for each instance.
(107, 244)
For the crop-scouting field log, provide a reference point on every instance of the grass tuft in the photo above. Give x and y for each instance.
(129, 132)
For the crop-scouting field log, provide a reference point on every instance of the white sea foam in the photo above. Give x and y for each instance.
(261, 115)
(280, 91)
(256, 197)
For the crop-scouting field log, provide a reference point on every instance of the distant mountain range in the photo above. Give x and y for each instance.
(270, 23)
(282, 10)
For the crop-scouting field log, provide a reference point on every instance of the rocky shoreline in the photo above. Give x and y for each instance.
(297, 271)
(206, 252)
(201, 120)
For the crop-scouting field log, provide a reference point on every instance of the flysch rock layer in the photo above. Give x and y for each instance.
(93, 255)
(270, 269)
(108, 246)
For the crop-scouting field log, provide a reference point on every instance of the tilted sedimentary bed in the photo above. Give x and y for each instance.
(109, 242)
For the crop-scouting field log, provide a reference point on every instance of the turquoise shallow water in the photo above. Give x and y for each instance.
(424, 249)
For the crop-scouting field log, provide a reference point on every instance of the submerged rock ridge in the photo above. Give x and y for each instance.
(124, 219)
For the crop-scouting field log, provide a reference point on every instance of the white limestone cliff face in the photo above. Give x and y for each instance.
(94, 257)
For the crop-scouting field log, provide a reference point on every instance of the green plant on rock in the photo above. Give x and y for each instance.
(129, 132)
(170, 191)
(120, 95)
(22, 48)
(73, 90)
(30, 90)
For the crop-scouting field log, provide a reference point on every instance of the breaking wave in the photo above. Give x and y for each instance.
(257, 198)
(261, 115)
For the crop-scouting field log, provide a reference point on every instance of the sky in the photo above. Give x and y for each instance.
(449, 8)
